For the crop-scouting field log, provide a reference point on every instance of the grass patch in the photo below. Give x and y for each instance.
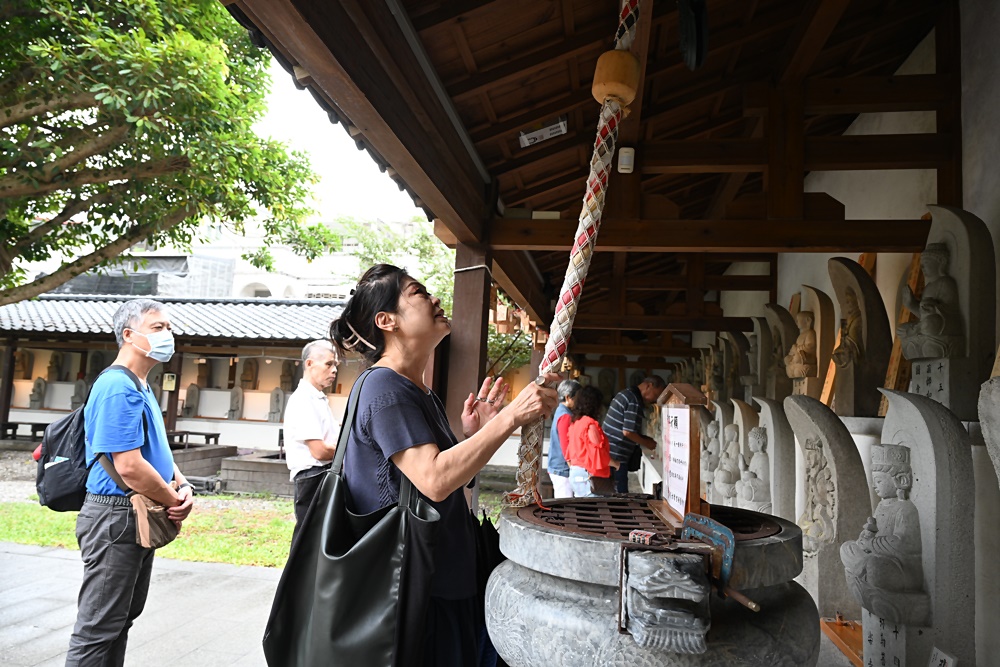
(210, 535)
(227, 534)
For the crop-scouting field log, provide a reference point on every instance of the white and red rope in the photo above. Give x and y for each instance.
(530, 450)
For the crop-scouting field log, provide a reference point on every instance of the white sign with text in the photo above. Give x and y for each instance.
(677, 456)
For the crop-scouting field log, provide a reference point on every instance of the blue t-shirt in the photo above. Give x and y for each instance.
(113, 423)
(557, 459)
(394, 414)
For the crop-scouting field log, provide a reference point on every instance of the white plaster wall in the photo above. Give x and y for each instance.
(745, 304)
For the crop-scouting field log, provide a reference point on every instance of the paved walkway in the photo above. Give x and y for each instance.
(197, 613)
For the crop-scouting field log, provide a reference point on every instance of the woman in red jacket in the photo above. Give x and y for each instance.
(589, 453)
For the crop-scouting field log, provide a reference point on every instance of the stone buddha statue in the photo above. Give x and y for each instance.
(887, 553)
(753, 491)
(728, 471)
(287, 376)
(248, 379)
(852, 346)
(800, 362)
(883, 566)
(710, 450)
(817, 520)
(938, 332)
(54, 371)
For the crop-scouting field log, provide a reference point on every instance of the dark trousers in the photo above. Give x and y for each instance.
(116, 574)
(621, 477)
(306, 485)
(452, 633)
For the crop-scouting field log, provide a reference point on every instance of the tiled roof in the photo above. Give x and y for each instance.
(245, 319)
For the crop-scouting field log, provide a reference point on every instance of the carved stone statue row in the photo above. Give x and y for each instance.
(903, 561)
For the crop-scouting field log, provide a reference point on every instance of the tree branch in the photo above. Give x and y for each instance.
(72, 208)
(18, 113)
(16, 186)
(96, 145)
(113, 249)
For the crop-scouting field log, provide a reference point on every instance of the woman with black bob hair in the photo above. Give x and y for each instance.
(401, 425)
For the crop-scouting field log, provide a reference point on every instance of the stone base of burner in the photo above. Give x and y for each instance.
(539, 620)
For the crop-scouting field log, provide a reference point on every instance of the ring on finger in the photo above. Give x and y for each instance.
(481, 399)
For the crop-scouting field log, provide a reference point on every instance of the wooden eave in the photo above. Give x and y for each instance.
(705, 139)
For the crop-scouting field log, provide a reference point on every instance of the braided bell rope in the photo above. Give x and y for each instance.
(530, 449)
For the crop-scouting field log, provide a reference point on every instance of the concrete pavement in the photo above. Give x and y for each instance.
(196, 614)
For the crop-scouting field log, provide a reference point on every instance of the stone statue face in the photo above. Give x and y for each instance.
(804, 320)
(713, 429)
(732, 432)
(884, 484)
(932, 264)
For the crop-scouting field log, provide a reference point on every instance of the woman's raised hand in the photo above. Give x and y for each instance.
(534, 401)
(482, 407)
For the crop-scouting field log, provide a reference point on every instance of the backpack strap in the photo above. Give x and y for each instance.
(105, 460)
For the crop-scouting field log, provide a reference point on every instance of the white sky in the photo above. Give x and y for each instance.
(351, 183)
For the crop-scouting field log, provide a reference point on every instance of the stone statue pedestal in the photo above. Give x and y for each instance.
(884, 641)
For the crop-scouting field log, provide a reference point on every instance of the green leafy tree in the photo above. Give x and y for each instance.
(418, 250)
(430, 260)
(131, 120)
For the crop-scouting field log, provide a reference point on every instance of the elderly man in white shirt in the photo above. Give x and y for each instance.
(311, 430)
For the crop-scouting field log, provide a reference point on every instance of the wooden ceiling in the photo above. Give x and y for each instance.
(781, 82)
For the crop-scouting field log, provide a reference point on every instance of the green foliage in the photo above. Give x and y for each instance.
(129, 119)
(507, 350)
(418, 251)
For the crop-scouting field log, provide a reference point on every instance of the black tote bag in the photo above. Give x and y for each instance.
(355, 589)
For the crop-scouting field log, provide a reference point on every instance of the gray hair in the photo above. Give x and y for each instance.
(568, 389)
(317, 345)
(656, 381)
(129, 315)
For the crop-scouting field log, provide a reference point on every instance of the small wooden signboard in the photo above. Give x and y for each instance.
(681, 453)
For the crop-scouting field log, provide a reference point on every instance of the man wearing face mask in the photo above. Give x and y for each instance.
(126, 424)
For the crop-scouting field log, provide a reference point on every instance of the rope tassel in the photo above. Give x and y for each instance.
(615, 83)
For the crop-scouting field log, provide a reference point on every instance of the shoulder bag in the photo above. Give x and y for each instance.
(355, 588)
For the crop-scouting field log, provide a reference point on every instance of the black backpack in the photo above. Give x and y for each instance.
(61, 479)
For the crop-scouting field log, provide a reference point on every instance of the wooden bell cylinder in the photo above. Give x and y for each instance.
(617, 76)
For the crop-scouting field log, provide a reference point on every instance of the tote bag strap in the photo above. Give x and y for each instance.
(408, 494)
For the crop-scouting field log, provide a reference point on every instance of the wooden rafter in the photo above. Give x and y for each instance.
(718, 236)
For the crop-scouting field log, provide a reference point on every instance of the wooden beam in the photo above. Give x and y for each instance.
(718, 236)
(865, 94)
(358, 58)
(575, 178)
(878, 151)
(545, 111)
(723, 283)
(809, 38)
(662, 322)
(519, 68)
(449, 12)
(544, 151)
(7, 379)
(704, 156)
(824, 153)
(624, 348)
(784, 182)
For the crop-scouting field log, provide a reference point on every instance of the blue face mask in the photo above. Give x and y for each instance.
(161, 344)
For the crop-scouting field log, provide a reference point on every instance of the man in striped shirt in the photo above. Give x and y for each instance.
(623, 424)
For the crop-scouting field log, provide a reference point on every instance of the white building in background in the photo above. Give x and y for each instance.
(215, 268)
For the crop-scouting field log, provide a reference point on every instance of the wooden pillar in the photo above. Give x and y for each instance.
(173, 366)
(7, 380)
(948, 55)
(467, 344)
(785, 176)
